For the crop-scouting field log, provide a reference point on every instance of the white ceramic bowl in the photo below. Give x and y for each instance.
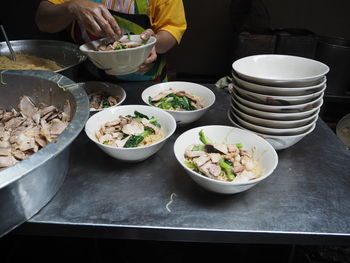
(118, 62)
(264, 153)
(183, 117)
(275, 99)
(288, 116)
(284, 70)
(280, 109)
(109, 88)
(268, 130)
(343, 130)
(279, 124)
(136, 154)
(280, 91)
(277, 142)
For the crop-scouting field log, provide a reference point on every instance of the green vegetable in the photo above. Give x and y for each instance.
(198, 148)
(135, 140)
(227, 169)
(204, 139)
(105, 104)
(239, 145)
(140, 115)
(173, 102)
(191, 165)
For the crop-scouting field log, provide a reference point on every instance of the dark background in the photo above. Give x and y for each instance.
(206, 53)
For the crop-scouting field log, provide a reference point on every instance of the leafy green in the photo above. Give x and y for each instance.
(173, 102)
(203, 138)
(191, 165)
(227, 169)
(239, 145)
(135, 140)
(198, 148)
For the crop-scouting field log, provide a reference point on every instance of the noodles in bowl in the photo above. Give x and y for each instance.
(130, 133)
(28, 62)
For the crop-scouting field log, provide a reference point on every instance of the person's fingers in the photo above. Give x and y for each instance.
(145, 35)
(92, 26)
(112, 22)
(152, 56)
(104, 24)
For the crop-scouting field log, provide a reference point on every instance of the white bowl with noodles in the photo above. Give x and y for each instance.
(280, 70)
(110, 89)
(206, 96)
(262, 151)
(277, 100)
(136, 154)
(122, 61)
(279, 91)
(278, 142)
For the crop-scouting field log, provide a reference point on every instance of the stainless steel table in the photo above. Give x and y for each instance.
(305, 201)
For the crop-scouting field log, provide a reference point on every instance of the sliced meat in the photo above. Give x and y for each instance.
(27, 107)
(244, 176)
(162, 94)
(7, 161)
(133, 128)
(201, 160)
(221, 147)
(5, 151)
(56, 127)
(215, 157)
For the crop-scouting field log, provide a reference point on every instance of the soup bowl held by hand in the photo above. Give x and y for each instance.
(120, 61)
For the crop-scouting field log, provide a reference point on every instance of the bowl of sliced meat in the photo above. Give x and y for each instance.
(225, 159)
(103, 95)
(120, 57)
(185, 101)
(130, 133)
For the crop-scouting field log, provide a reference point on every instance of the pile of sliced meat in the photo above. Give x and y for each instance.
(99, 100)
(119, 44)
(28, 129)
(195, 101)
(207, 161)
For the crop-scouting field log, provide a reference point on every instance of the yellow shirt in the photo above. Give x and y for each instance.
(167, 15)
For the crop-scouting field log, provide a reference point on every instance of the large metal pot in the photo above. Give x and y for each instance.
(65, 54)
(28, 185)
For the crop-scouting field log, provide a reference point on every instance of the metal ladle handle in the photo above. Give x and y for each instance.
(13, 55)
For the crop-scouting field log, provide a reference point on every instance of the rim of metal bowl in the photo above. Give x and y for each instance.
(15, 172)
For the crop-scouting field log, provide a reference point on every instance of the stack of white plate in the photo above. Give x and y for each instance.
(277, 96)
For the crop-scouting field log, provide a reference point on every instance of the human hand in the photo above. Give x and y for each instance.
(145, 35)
(95, 18)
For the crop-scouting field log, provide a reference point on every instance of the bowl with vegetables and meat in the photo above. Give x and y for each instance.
(130, 133)
(103, 95)
(119, 57)
(186, 101)
(225, 159)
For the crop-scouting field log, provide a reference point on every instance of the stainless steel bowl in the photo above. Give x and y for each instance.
(65, 54)
(28, 185)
